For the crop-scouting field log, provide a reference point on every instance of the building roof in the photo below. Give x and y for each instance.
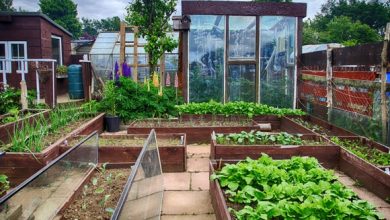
(35, 14)
(319, 47)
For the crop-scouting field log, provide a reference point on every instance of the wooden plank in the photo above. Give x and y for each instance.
(366, 54)
(243, 8)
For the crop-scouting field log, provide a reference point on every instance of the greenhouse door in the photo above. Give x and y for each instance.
(241, 69)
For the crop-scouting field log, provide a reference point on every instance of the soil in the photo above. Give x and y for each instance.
(128, 142)
(53, 137)
(304, 143)
(194, 123)
(90, 204)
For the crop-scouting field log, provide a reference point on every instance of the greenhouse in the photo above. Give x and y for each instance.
(235, 54)
(105, 51)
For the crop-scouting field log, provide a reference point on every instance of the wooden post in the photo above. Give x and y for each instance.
(135, 55)
(329, 86)
(384, 57)
(122, 50)
(162, 70)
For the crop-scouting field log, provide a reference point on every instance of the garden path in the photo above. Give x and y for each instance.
(186, 195)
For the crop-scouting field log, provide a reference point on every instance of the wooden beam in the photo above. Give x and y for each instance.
(135, 60)
(384, 57)
(329, 86)
(122, 46)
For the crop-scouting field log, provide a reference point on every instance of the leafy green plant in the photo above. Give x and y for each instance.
(62, 70)
(259, 138)
(297, 188)
(4, 183)
(372, 155)
(249, 109)
(136, 101)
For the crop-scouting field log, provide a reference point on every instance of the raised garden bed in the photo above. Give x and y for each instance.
(320, 126)
(98, 195)
(19, 166)
(274, 190)
(26, 116)
(305, 145)
(198, 131)
(367, 161)
(116, 148)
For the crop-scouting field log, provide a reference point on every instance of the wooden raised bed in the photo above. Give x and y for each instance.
(372, 177)
(19, 166)
(201, 134)
(328, 128)
(327, 153)
(7, 130)
(278, 123)
(348, 163)
(173, 156)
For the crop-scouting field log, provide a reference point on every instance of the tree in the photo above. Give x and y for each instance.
(374, 13)
(6, 5)
(64, 13)
(152, 17)
(92, 27)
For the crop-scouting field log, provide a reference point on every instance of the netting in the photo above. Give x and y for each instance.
(355, 93)
(42, 195)
(143, 193)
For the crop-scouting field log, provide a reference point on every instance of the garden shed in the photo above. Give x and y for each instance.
(241, 51)
(30, 36)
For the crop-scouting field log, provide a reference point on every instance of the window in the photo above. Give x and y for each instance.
(56, 45)
(3, 55)
(13, 50)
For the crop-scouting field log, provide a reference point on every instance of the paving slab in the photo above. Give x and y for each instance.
(187, 203)
(199, 151)
(188, 217)
(177, 181)
(200, 181)
(198, 165)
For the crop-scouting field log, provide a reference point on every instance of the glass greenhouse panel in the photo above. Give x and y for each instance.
(242, 37)
(242, 83)
(143, 193)
(277, 60)
(206, 58)
(42, 195)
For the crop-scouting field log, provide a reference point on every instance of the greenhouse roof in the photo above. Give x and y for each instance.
(108, 43)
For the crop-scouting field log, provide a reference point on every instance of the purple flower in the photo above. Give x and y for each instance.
(116, 70)
(126, 70)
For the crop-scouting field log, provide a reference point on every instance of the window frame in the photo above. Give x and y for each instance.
(60, 63)
(7, 63)
(24, 43)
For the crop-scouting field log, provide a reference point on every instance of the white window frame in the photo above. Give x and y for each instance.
(7, 63)
(10, 43)
(60, 52)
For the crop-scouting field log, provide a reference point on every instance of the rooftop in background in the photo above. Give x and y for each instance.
(7, 17)
(319, 47)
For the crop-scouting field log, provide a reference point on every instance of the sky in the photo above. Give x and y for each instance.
(98, 9)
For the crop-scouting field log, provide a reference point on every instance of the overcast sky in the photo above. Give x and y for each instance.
(108, 8)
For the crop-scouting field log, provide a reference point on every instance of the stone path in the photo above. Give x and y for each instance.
(186, 195)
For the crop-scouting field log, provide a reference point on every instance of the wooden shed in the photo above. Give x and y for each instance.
(32, 35)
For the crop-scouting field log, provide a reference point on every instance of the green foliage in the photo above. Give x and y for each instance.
(349, 22)
(4, 184)
(289, 189)
(367, 153)
(10, 99)
(62, 70)
(249, 109)
(259, 138)
(30, 138)
(64, 13)
(6, 5)
(93, 27)
(152, 18)
(134, 101)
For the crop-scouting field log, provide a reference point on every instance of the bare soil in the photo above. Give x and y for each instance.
(129, 142)
(53, 137)
(99, 197)
(313, 127)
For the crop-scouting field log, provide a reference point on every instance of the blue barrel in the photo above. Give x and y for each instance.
(75, 82)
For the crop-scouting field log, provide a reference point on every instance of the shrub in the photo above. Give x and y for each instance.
(130, 100)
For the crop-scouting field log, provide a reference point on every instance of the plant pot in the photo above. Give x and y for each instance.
(112, 123)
